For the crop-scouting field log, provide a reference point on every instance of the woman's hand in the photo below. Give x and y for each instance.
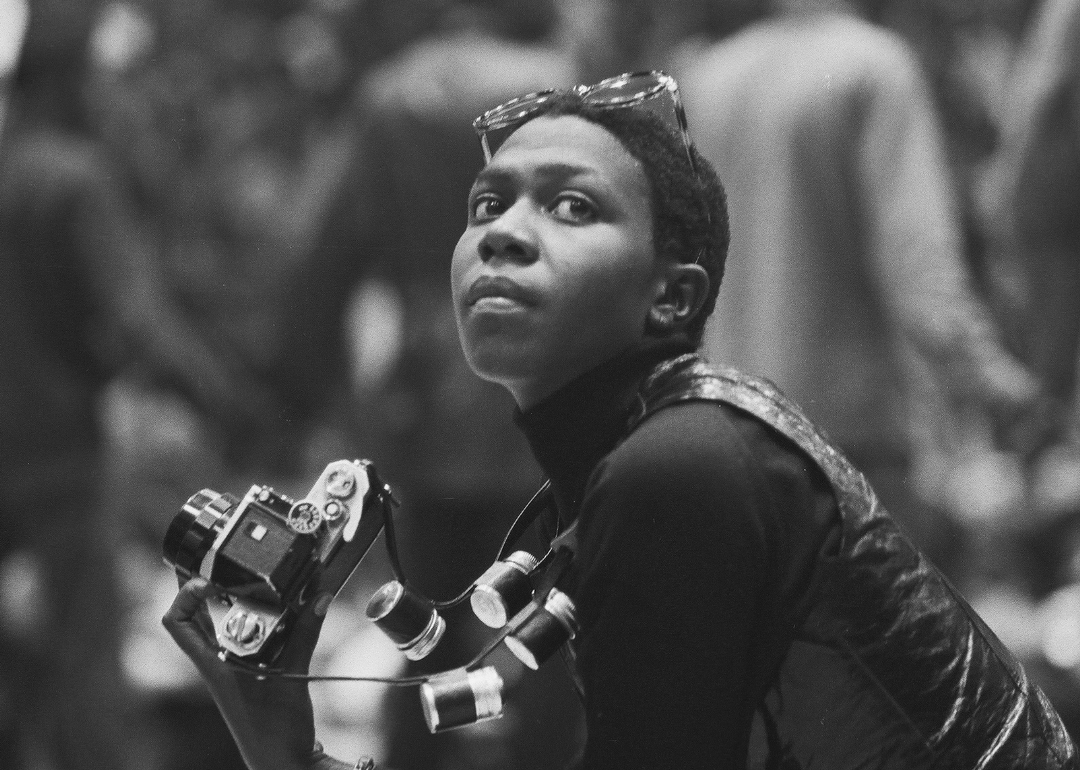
(271, 719)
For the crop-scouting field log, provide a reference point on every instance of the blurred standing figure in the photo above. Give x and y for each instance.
(848, 285)
(1029, 206)
(1028, 202)
(63, 235)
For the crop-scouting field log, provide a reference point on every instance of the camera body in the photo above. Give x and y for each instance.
(270, 554)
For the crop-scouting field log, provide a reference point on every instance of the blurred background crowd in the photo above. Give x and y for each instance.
(225, 231)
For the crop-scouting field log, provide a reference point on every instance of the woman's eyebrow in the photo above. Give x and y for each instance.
(490, 175)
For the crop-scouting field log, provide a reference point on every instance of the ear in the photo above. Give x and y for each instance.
(680, 295)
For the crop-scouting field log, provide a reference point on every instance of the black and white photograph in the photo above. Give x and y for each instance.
(539, 384)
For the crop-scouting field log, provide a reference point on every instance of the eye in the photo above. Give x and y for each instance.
(487, 206)
(574, 208)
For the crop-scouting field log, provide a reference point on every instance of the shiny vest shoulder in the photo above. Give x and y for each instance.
(889, 667)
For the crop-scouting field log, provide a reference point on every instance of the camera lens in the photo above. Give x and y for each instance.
(194, 529)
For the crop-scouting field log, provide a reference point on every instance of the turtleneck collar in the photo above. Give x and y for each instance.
(574, 427)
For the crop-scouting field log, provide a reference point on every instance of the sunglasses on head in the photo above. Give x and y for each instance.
(631, 89)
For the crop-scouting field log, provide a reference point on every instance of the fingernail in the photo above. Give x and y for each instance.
(204, 589)
(322, 604)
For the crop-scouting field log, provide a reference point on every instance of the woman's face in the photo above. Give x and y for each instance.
(556, 270)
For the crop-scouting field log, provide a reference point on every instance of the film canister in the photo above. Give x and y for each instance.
(411, 623)
(458, 698)
(544, 631)
(504, 589)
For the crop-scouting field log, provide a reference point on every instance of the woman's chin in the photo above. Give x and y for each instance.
(501, 362)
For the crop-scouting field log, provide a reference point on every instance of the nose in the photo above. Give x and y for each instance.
(510, 237)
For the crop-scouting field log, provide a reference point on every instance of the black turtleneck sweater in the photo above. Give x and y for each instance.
(696, 539)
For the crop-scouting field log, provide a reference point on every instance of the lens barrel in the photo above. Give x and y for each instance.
(194, 529)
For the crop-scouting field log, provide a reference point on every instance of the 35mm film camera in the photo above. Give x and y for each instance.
(265, 550)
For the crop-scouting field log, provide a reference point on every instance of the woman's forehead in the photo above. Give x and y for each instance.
(571, 142)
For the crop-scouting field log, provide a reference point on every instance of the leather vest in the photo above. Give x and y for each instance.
(890, 667)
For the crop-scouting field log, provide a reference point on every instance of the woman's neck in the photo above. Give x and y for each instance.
(576, 425)
(530, 392)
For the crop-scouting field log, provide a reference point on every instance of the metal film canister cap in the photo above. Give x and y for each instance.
(504, 589)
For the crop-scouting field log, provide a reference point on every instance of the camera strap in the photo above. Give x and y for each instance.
(542, 500)
(554, 563)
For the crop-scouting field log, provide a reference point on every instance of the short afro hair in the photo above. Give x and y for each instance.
(689, 208)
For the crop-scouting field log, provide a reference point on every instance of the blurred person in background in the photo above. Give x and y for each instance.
(1027, 207)
(65, 249)
(966, 51)
(1027, 199)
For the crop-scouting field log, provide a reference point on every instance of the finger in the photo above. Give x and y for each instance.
(304, 635)
(189, 600)
(186, 620)
(202, 616)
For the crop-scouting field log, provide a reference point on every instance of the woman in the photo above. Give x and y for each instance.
(742, 598)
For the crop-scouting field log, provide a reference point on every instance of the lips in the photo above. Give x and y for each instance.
(499, 287)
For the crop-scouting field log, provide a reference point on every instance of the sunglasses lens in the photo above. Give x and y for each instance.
(642, 90)
(499, 122)
(513, 111)
(496, 136)
(625, 89)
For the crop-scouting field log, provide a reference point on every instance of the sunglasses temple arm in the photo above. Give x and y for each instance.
(684, 129)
